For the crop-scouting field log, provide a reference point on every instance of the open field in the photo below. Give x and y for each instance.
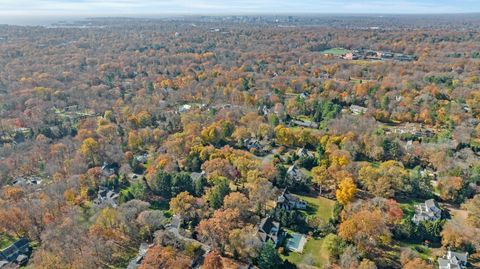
(319, 206)
(336, 51)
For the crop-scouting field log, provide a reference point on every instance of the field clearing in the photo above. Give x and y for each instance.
(336, 51)
(319, 206)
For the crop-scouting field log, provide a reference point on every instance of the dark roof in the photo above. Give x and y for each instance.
(11, 253)
(268, 229)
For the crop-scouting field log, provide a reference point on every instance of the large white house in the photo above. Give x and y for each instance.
(427, 211)
(288, 201)
(453, 260)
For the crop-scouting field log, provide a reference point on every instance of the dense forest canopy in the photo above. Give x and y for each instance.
(186, 137)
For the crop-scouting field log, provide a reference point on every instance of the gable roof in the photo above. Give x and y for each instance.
(268, 230)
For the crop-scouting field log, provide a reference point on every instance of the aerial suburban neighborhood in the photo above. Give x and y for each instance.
(215, 140)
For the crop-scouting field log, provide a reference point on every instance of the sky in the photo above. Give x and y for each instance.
(151, 7)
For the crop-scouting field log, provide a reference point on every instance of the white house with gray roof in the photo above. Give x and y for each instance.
(453, 260)
(427, 211)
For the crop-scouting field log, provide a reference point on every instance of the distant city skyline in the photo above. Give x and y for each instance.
(222, 7)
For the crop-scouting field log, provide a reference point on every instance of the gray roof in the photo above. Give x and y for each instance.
(268, 230)
(453, 260)
(195, 176)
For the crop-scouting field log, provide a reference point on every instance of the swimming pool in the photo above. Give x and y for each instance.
(295, 242)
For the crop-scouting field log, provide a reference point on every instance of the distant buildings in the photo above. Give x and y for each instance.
(427, 211)
(367, 54)
(351, 56)
(305, 123)
(358, 110)
(453, 260)
(25, 181)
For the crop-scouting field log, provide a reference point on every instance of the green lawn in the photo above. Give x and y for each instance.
(6, 241)
(421, 250)
(314, 254)
(336, 51)
(319, 206)
(408, 207)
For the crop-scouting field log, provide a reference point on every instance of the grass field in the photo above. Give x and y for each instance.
(6, 241)
(336, 51)
(314, 255)
(319, 206)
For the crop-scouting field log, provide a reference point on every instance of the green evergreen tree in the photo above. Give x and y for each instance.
(269, 258)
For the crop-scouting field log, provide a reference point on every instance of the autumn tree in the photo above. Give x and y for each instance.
(346, 191)
(386, 180)
(90, 150)
(186, 206)
(367, 229)
(473, 208)
(165, 257)
(216, 229)
(213, 260)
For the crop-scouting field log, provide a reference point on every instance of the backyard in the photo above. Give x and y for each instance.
(318, 206)
(314, 254)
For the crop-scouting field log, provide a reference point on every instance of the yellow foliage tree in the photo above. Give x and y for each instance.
(346, 191)
(90, 151)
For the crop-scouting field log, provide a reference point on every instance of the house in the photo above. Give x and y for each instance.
(184, 108)
(24, 181)
(427, 211)
(358, 110)
(304, 95)
(264, 110)
(269, 230)
(16, 253)
(302, 152)
(453, 260)
(106, 197)
(405, 58)
(195, 176)
(110, 169)
(305, 123)
(257, 146)
(142, 158)
(294, 173)
(252, 144)
(288, 201)
(351, 56)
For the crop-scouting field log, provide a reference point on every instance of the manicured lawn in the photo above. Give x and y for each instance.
(336, 51)
(319, 206)
(314, 254)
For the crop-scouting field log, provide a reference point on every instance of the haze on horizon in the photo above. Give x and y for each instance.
(29, 8)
